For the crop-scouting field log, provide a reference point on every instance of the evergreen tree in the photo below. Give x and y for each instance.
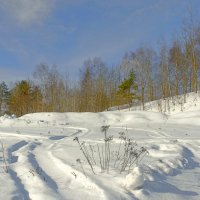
(25, 98)
(4, 96)
(127, 89)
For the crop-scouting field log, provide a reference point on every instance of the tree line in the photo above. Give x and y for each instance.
(141, 76)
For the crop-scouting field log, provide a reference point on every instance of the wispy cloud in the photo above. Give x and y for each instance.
(27, 11)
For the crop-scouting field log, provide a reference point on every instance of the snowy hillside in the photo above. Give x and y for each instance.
(174, 105)
(44, 161)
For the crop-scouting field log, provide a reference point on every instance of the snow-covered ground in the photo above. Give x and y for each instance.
(42, 156)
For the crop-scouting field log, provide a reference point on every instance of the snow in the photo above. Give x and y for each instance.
(41, 154)
(134, 180)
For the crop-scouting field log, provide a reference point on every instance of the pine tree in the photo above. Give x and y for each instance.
(127, 89)
(4, 96)
(25, 98)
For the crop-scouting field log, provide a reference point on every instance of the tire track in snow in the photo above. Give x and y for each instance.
(17, 146)
(81, 181)
(155, 133)
(42, 174)
(22, 192)
(31, 160)
(14, 155)
(23, 136)
(85, 184)
(29, 181)
(80, 131)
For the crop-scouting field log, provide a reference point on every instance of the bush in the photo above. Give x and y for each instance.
(122, 156)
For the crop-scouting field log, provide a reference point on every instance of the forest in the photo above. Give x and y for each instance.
(142, 75)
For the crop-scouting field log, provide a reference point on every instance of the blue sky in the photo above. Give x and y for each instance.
(66, 32)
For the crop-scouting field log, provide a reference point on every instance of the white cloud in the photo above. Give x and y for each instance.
(27, 11)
